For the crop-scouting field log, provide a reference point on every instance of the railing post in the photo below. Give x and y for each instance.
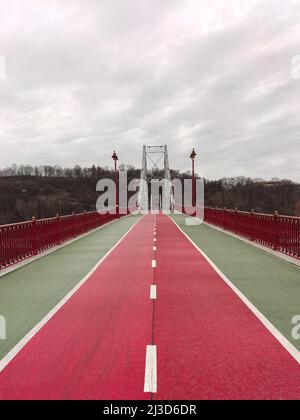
(94, 219)
(252, 226)
(276, 233)
(34, 236)
(86, 225)
(58, 234)
(74, 232)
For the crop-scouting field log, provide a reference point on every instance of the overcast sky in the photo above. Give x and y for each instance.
(84, 77)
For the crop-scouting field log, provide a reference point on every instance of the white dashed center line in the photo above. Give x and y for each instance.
(150, 384)
(153, 292)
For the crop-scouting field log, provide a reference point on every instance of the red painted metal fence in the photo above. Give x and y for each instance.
(23, 240)
(282, 233)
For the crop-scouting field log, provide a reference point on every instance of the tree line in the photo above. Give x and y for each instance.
(27, 191)
(56, 171)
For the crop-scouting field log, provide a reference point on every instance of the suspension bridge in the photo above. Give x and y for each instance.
(147, 306)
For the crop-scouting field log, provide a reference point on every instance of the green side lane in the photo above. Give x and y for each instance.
(270, 283)
(28, 294)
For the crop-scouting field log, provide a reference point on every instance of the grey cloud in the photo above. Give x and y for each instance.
(87, 77)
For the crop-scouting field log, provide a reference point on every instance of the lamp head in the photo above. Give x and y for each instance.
(114, 156)
(193, 154)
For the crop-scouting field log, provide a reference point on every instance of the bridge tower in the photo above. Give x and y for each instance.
(154, 155)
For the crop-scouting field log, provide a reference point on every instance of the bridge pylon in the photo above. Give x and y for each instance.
(163, 200)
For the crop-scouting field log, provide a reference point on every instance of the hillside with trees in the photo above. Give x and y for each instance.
(27, 191)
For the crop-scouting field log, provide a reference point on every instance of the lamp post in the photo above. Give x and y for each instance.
(193, 157)
(115, 159)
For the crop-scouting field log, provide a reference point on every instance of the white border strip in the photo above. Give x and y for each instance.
(29, 260)
(25, 340)
(150, 384)
(270, 327)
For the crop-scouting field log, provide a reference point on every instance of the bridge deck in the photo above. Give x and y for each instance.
(209, 344)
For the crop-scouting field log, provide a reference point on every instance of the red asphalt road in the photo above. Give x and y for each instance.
(209, 344)
(95, 345)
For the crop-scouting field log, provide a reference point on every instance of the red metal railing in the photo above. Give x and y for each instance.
(23, 240)
(282, 233)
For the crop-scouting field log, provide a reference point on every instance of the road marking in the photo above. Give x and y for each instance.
(154, 248)
(154, 233)
(153, 294)
(154, 239)
(150, 384)
(269, 326)
(153, 263)
(25, 340)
